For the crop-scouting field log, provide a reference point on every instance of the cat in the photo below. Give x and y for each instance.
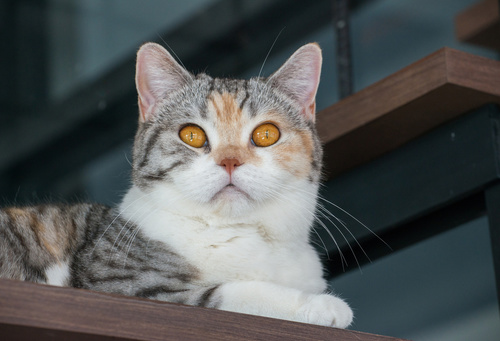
(225, 175)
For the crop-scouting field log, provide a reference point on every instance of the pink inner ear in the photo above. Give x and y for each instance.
(310, 63)
(143, 84)
(310, 112)
(299, 77)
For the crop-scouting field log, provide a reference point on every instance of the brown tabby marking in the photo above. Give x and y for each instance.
(296, 154)
(226, 109)
(28, 219)
(231, 123)
(291, 157)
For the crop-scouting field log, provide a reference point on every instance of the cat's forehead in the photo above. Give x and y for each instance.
(225, 107)
(250, 97)
(224, 103)
(227, 116)
(229, 85)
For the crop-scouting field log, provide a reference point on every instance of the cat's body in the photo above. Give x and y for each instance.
(225, 179)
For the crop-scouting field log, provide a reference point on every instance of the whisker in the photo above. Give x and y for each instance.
(134, 235)
(140, 170)
(147, 246)
(322, 245)
(149, 175)
(359, 222)
(129, 242)
(341, 254)
(347, 242)
(139, 218)
(112, 222)
(345, 212)
(269, 52)
(124, 227)
(321, 207)
(128, 161)
(171, 50)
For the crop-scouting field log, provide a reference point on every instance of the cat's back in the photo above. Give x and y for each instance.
(35, 240)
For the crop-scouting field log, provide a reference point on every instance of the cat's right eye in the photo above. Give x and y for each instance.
(193, 136)
(265, 135)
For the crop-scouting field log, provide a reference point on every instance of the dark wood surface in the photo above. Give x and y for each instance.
(480, 25)
(39, 312)
(405, 105)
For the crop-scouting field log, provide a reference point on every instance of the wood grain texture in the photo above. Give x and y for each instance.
(39, 312)
(480, 25)
(405, 105)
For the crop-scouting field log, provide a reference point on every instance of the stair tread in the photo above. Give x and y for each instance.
(405, 105)
(480, 25)
(33, 311)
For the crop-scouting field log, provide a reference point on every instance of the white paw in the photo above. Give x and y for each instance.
(326, 310)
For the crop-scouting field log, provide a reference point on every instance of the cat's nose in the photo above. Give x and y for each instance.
(230, 164)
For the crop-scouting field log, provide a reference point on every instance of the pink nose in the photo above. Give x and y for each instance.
(230, 165)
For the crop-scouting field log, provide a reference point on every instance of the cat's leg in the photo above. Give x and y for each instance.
(272, 300)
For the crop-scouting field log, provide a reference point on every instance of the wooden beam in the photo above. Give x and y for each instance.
(31, 311)
(403, 106)
(480, 25)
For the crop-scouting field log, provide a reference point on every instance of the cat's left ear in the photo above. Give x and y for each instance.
(299, 77)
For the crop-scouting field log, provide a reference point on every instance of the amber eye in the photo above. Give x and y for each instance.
(265, 135)
(193, 136)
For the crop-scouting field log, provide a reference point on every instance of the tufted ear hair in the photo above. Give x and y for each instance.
(299, 77)
(157, 75)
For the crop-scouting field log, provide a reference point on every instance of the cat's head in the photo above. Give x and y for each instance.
(225, 145)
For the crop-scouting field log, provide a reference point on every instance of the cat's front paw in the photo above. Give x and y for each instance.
(326, 310)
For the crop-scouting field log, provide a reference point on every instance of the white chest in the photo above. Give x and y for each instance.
(238, 252)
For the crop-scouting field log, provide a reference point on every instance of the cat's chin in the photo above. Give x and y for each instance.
(231, 192)
(231, 201)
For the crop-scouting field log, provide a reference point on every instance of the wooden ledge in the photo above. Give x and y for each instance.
(39, 312)
(480, 25)
(405, 105)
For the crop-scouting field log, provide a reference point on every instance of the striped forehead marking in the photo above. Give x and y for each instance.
(227, 110)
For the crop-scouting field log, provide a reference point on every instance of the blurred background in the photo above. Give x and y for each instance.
(68, 115)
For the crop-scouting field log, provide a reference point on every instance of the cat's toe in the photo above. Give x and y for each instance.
(327, 310)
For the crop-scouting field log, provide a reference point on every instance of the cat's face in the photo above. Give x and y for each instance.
(224, 145)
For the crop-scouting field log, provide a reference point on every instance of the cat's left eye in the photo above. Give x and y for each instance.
(265, 135)
(193, 135)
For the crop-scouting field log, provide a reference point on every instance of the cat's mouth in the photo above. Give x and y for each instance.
(231, 187)
(230, 192)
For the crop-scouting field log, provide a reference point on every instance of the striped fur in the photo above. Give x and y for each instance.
(191, 229)
(91, 241)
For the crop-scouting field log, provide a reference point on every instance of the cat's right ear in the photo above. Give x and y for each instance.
(299, 78)
(157, 74)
